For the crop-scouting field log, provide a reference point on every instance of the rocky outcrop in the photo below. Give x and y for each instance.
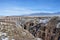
(10, 31)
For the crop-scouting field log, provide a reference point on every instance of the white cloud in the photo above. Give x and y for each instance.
(15, 11)
(18, 11)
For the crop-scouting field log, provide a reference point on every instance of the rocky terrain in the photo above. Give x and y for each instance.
(29, 28)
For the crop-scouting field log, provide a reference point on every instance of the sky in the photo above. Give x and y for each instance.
(23, 7)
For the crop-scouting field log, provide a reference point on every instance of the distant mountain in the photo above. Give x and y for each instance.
(35, 14)
(58, 13)
(42, 14)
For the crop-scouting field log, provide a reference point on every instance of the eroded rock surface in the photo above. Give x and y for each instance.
(13, 32)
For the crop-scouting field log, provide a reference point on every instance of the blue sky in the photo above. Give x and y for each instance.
(20, 7)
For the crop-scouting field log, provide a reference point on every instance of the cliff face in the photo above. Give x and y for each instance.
(29, 28)
(9, 30)
(10, 27)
